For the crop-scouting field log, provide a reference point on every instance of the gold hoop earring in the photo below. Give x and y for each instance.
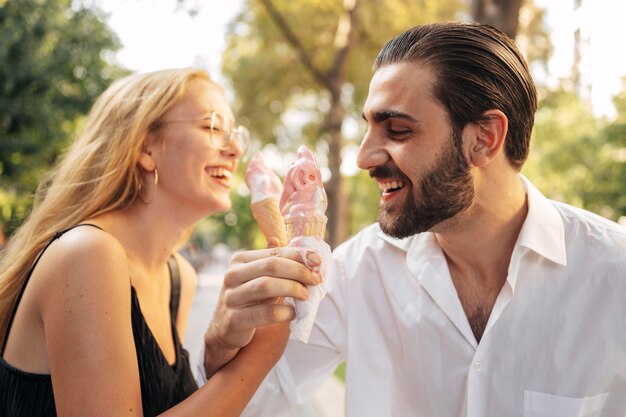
(156, 182)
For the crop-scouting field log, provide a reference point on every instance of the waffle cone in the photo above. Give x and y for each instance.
(314, 226)
(270, 220)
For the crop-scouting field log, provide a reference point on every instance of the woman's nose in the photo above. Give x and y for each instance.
(235, 149)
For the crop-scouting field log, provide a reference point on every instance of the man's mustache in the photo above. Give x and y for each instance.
(387, 171)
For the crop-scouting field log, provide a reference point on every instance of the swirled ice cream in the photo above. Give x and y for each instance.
(303, 201)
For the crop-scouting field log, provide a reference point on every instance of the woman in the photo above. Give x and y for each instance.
(94, 298)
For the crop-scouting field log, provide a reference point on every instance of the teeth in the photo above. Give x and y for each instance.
(390, 185)
(219, 172)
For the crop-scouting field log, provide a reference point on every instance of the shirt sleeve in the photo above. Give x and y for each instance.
(200, 373)
(305, 366)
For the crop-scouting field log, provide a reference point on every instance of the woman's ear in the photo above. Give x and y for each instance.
(146, 158)
(488, 138)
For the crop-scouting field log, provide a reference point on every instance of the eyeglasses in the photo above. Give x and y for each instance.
(222, 131)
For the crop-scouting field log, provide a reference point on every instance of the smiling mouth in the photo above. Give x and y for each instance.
(389, 187)
(220, 173)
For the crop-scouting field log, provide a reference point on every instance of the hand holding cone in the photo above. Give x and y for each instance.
(303, 204)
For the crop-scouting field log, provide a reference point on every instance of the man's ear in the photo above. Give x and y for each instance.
(489, 135)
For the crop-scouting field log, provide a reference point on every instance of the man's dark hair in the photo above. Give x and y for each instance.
(478, 68)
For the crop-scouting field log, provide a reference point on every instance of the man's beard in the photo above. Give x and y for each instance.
(443, 192)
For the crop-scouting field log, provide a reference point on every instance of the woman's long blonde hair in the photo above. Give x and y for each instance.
(98, 173)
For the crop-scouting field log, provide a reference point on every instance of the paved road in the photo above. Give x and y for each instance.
(328, 402)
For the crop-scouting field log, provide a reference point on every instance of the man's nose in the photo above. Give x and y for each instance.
(372, 152)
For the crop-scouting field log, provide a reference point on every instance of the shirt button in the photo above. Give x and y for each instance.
(477, 365)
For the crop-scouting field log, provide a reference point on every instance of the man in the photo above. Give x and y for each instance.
(474, 295)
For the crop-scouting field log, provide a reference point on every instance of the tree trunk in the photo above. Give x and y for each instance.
(344, 41)
(501, 14)
(337, 225)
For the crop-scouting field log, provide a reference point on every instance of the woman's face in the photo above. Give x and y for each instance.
(194, 173)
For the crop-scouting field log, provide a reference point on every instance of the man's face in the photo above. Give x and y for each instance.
(410, 149)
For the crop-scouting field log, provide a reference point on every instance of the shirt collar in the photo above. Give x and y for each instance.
(542, 232)
(403, 244)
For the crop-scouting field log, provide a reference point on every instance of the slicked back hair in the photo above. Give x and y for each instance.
(478, 68)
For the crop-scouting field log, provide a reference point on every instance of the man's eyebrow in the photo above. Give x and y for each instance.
(390, 114)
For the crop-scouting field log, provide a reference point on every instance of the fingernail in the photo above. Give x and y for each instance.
(314, 258)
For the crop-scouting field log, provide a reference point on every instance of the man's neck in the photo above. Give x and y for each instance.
(478, 246)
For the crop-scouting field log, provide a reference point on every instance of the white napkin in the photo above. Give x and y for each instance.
(302, 324)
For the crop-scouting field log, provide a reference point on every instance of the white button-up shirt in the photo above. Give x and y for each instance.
(554, 346)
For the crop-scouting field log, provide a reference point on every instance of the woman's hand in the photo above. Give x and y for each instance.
(251, 297)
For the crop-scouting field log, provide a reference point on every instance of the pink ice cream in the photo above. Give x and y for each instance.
(303, 192)
(303, 201)
(262, 181)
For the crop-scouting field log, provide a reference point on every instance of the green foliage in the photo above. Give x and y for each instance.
(239, 230)
(610, 174)
(560, 162)
(340, 372)
(620, 105)
(532, 36)
(578, 158)
(53, 63)
(364, 201)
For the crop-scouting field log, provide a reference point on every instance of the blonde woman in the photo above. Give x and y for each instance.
(94, 298)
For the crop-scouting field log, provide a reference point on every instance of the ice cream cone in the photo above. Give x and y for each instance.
(270, 220)
(314, 226)
(265, 190)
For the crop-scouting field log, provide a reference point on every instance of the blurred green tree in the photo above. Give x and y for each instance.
(562, 155)
(55, 58)
(608, 196)
(579, 158)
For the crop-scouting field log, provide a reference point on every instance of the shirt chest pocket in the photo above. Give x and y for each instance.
(539, 404)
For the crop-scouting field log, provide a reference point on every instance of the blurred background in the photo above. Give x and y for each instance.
(298, 72)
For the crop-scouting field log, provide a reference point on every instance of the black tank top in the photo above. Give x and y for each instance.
(23, 394)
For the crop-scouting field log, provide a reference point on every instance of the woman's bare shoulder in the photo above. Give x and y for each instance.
(87, 317)
(82, 260)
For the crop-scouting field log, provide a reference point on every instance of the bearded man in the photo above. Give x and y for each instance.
(473, 295)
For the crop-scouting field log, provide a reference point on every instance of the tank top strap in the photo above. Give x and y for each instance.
(30, 272)
(175, 287)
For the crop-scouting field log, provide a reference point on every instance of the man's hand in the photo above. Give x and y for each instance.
(251, 297)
